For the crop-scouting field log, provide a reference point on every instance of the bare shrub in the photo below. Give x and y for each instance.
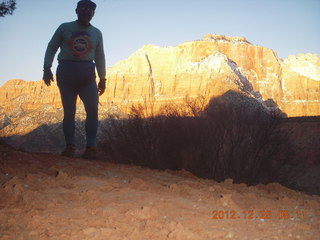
(233, 137)
(195, 106)
(250, 143)
(151, 142)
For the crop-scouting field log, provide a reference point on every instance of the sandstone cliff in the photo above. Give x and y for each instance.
(155, 76)
(212, 66)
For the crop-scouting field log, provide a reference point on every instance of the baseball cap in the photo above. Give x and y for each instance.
(86, 3)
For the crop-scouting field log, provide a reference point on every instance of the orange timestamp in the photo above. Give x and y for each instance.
(258, 214)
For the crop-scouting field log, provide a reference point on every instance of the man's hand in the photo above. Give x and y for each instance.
(101, 86)
(47, 76)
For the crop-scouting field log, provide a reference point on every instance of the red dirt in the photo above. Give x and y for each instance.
(45, 196)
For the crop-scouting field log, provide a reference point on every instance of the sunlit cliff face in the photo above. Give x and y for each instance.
(155, 76)
(212, 66)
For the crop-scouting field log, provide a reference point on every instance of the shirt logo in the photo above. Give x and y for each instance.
(80, 44)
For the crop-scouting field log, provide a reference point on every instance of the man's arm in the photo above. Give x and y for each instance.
(101, 66)
(52, 48)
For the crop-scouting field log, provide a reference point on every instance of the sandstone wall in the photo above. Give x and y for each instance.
(155, 76)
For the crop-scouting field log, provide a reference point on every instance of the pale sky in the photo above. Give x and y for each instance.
(289, 27)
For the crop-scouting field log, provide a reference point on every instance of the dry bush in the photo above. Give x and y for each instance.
(151, 142)
(233, 137)
(195, 106)
(253, 151)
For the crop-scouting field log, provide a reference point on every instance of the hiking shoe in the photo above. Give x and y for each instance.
(69, 150)
(90, 153)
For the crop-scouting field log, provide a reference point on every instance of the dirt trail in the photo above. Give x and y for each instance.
(45, 196)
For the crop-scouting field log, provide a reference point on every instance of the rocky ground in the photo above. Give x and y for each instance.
(46, 196)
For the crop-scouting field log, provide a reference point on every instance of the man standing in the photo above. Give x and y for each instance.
(81, 50)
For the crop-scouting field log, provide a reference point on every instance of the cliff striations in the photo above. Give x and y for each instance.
(157, 76)
(212, 66)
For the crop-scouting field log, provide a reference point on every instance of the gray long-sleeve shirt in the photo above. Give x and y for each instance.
(77, 43)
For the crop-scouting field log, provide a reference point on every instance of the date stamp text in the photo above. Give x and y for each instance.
(259, 214)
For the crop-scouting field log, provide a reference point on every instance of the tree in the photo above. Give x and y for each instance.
(7, 7)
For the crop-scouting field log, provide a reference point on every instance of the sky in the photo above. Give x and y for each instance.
(289, 27)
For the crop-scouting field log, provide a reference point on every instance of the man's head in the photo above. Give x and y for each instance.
(87, 3)
(85, 11)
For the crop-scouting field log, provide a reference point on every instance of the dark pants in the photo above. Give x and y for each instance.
(78, 78)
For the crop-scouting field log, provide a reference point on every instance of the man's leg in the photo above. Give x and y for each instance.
(90, 99)
(67, 79)
(69, 98)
